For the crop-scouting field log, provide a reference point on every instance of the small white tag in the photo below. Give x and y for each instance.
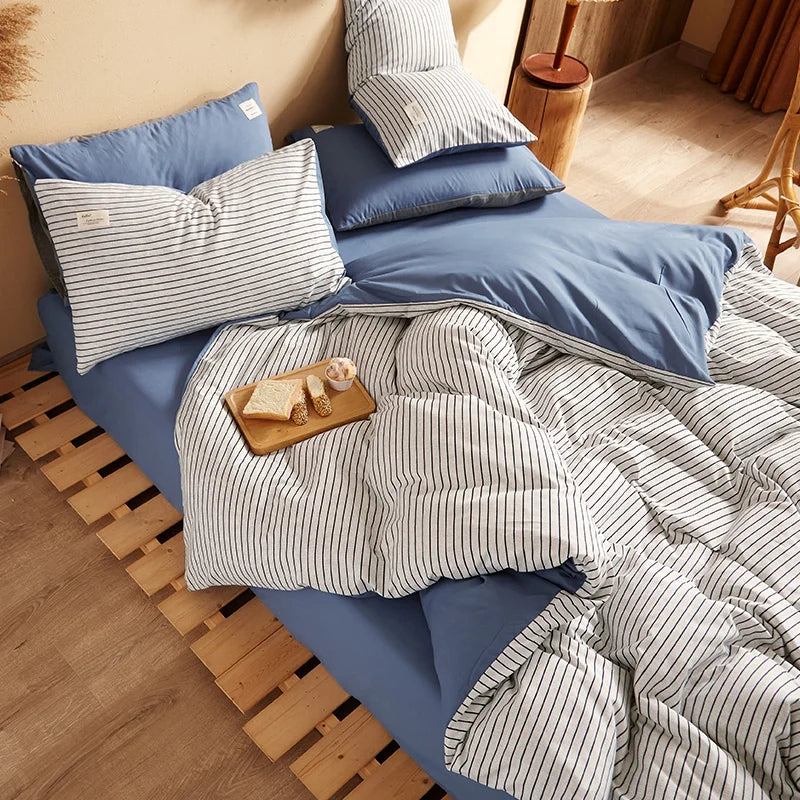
(90, 220)
(320, 128)
(250, 108)
(415, 113)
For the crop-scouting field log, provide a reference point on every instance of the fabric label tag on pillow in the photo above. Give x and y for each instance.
(250, 108)
(415, 113)
(91, 220)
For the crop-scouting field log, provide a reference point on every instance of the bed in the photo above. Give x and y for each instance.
(559, 559)
(730, 450)
(135, 397)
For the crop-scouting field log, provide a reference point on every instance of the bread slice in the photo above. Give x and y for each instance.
(318, 395)
(300, 412)
(273, 400)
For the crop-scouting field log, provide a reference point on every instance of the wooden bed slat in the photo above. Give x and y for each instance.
(186, 610)
(293, 715)
(16, 375)
(156, 569)
(109, 493)
(55, 433)
(398, 778)
(30, 404)
(253, 677)
(123, 536)
(234, 638)
(67, 470)
(327, 766)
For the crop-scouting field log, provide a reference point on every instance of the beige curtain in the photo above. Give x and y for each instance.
(758, 55)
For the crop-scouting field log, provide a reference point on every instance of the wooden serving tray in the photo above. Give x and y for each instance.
(267, 435)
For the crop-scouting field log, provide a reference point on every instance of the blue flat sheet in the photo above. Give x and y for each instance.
(379, 650)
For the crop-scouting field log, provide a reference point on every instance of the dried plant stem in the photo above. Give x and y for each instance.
(16, 21)
(6, 178)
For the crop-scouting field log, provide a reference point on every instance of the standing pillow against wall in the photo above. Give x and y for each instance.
(180, 151)
(144, 264)
(362, 187)
(387, 37)
(407, 83)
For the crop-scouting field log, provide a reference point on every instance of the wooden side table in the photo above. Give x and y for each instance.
(554, 115)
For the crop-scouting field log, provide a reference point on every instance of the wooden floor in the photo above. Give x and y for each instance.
(659, 144)
(104, 699)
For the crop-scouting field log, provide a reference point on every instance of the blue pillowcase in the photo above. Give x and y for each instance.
(363, 188)
(180, 151)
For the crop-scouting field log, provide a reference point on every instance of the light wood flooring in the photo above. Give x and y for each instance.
(659, 144)
(99, 696)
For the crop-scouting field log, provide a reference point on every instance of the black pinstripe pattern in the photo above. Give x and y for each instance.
(407, 82)
(459, 113)
(674, 672)
(389, 37)
(247, 242)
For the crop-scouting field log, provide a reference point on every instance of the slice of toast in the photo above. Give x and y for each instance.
(273, 400)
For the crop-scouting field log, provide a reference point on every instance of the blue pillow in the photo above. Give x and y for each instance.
(180, 152)
(363, 188)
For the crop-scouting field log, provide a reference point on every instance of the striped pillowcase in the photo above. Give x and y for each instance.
(408, 85)
(418, 115)
(388, 37)
(144, 264)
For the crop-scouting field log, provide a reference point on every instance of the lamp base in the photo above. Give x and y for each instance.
(540, 68)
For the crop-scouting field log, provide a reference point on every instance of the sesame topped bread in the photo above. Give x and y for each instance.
(300, 411)
(319, 397)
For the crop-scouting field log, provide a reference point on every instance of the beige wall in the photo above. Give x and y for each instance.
(706, 22)
(110, 63)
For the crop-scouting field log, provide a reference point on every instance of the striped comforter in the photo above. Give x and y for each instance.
(673, 671)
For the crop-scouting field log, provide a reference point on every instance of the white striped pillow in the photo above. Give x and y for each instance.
(408, 36)
(407, 83)
(418, 115)
(144, 264)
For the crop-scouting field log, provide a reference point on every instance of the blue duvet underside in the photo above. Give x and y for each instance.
(646, 292)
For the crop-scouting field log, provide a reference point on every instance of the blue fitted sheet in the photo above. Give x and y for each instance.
(379, 650)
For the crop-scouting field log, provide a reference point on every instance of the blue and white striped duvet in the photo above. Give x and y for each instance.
(660, 510)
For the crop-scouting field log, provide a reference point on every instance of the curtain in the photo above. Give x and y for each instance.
(758, 55)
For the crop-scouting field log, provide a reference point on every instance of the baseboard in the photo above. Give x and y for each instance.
(20, 352)
(694, 55)
(661, 56)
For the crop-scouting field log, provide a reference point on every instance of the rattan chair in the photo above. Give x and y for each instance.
(772, 192)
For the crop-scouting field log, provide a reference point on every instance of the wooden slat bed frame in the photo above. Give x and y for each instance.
(255, 661)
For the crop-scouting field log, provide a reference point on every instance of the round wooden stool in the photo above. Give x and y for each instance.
(553, 114)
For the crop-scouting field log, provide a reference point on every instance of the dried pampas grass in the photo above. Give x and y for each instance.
(16, 21)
